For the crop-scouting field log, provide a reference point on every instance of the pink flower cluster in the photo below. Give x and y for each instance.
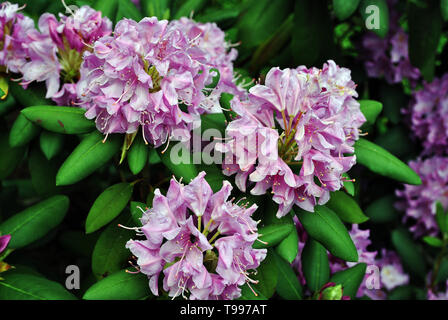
(55, 53)
(201, 241)
(14, 40)
(389, 56)
(319, 120)
(150, 74)
(419, 202)
(429, 116)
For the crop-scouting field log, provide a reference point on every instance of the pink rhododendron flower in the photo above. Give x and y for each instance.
(429, 115)
(149, 74)
(419, 202)
(4, 240)
(14, 30)
(318, 119)
(199, 240)
(389, 56)
(56, 52)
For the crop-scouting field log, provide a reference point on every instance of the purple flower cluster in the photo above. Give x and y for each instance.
(56, 52)
(389, 56)
(419, 202)
(150, 74)
(201, 241)
(14, 40)
(319, 120)
(429, 116)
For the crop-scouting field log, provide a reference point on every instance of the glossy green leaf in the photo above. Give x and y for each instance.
(7, 105)
(409, 251)
(110, 254)
(88, 156)
(215, 121)
(179, 161)
(43, 173)
(24, 286)
(288, 247)
(10, 157)
(382, 210)
(315, 265)
(187, 7)
(32, 96)
(51, 143)
(153, 157)
(433, 241)
(346, 207)
(156, 8)
(127, 9)
(344, 8)
(136, 212)
(36, 221)
(119, 286)
(107, 8)
(371, 109)
(350, 279)
(324, 226)
(288, 285)
(272, 234)
(441, 217)
(22, 131)
(375, 9)
(108, 205)
(267, 275)
(67, 120)
(138, 155)
(384, 163)
(444, 9)
(425, 29)
(251, 294)
(349, 185)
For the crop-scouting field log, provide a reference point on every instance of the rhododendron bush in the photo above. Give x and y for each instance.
(224, 150)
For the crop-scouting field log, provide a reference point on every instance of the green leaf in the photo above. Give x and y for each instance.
(10, 157)
(216, 121)
(409, 251)
(7, 105)
(43, 173)
(346, 207)
(153, 157)
(433, 241)
(24, 286)
(382, 210)
(108, 205)
(324, 226)
(22, 131)
(350, 279)
(371, 109)
(110, 252)
(119, 286)
(345, 8)
(248, 294)
(182, 166)
(32, 96)
(107, 8)
(88, 156)
(126, 9)
(218, 15)
(188, 7)
(267, 275)
(441, 217)
(288, 285)
(312, 37)
(272, 234)
(289, 247)
(349, 184)
(384, 163)
(67, 120)
(315, 265)
(214, 83)
(260, 19)
(156, 8)
(36, 221)
(425, 29)
(401, 293)
(224, 102)
(137, 213)
(383, 12)
(444, 9)
(51, 143)
(138, 155)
